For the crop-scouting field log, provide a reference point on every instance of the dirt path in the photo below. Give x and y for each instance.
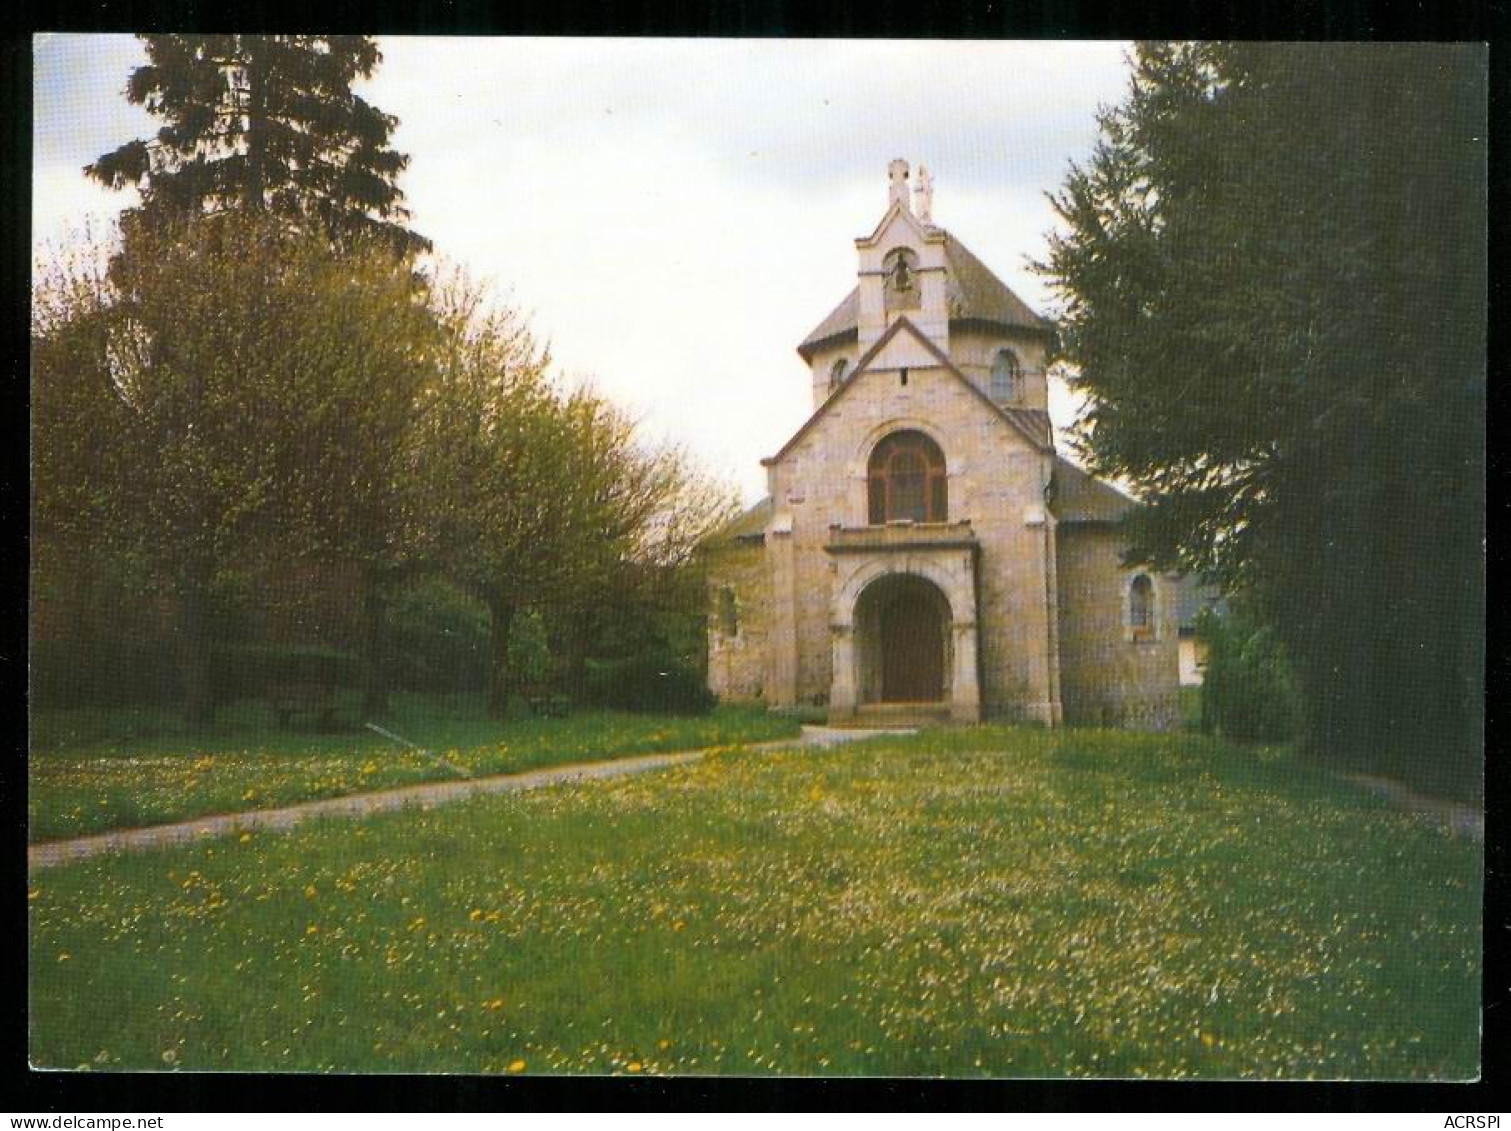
(1451, 815)
(423, 795)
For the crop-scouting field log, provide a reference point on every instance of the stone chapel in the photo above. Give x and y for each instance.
(923, 552)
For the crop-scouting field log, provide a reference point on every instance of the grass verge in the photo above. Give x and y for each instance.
(154, 773)
(987, 902)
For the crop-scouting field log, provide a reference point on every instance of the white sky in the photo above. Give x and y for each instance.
(674, 215)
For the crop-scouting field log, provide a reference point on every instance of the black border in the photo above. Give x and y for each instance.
(37, 1092)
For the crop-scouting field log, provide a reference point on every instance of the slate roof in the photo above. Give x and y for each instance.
(974, 295)
(842, 321)
(749, 525)
(1031, 421)
(1192, 595)
(1079, 498)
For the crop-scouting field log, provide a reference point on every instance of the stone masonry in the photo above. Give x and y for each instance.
(998, 592)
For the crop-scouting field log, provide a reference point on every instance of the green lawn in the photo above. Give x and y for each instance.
(992, 902)
(91, 773)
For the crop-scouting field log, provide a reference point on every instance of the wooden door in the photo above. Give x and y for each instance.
(912, 651)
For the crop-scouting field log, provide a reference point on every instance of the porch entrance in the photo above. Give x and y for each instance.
(902, 629)
(912, 650)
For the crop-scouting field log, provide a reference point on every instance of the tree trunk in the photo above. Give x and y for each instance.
(256, 129)
(374, 621)
(575, 668)
(501, 614)
(195, 645)
(88, 684)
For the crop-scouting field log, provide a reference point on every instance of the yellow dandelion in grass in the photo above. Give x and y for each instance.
(312, 930)
(663, 1044)
(310, 891)
(475, 914)
(516, 1066)
(245, 837)
(634, 1066)
(679, 924)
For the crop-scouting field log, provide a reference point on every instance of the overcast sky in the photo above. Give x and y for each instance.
(675, 215)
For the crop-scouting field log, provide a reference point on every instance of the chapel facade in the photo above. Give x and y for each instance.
(923, 551)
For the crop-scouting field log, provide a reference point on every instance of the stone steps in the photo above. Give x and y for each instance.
(889, 716)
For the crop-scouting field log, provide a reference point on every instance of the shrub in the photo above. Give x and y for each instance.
(104, 672)
(437, 639)
(647, 683)
(1248, 693)
(252, 670)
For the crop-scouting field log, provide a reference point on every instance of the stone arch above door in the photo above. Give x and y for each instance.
(951, 571)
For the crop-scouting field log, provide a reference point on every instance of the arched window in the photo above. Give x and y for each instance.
(837, 374)
(901, 268)
(1005, 376)
(1141, 608)
(906, 480)
(729, 618)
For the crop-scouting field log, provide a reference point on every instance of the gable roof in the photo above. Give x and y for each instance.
(897, 210)
(1033, 425)
(974, 294)
(1080, 498)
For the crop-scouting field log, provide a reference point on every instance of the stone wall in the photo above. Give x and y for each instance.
(1107, 677)
(737, 664)
(995, 480)
(973, 350)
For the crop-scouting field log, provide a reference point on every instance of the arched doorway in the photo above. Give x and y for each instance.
(903, 635)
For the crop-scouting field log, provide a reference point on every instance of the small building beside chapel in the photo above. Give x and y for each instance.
(923, 551)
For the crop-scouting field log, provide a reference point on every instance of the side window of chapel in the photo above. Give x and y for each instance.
(729, 617)
(1141, 608)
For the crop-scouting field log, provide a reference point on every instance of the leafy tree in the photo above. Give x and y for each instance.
(534, 499)
(230, 392)
(488, 498)
(265, 122)
(635, 584)
(1273, 279)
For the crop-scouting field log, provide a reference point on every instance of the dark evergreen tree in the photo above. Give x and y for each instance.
(270, 126)
(267, 122)
(1273, 272)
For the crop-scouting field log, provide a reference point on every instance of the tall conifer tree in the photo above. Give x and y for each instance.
(1273, 273)
(268, 123)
